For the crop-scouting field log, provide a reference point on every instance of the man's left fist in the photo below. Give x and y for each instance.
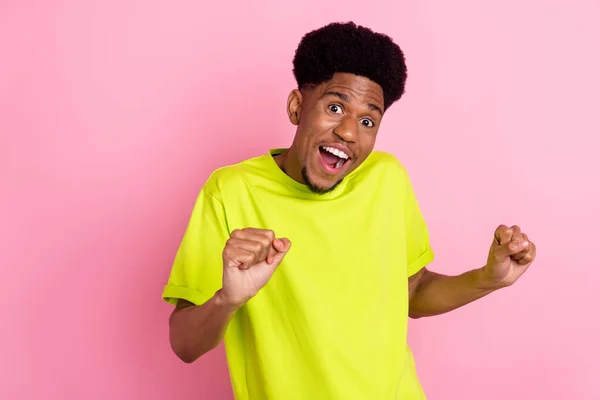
(511, 253)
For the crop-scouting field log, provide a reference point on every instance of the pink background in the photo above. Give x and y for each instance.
(113, 113)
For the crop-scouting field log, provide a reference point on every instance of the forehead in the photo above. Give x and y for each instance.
(355, 86)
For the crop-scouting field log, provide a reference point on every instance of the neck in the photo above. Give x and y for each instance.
(289, 163)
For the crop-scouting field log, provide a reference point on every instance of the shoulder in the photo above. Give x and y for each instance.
(384, 163)
(384, 158)
(384, 172)
(233, 176)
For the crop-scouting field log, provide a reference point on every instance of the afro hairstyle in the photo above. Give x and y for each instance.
(346, 47)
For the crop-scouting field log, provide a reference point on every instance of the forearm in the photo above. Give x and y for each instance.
(437, 294)
(195, 330)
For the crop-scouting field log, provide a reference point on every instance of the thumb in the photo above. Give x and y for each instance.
(511, 248)
(282, 246)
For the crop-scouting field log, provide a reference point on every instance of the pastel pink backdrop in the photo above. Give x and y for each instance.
(114, 113)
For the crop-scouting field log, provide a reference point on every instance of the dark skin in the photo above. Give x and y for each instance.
(345, 113)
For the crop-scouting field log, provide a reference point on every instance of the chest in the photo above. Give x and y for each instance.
(352, 247)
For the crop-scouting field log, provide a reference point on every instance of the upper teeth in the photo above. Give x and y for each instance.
(337, 152)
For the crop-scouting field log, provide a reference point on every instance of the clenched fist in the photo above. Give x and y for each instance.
(250, 258)
(511, 253)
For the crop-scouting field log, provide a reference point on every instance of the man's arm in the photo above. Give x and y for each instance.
(250, 258)
(432, 293)
(511, 253)
(195, 330)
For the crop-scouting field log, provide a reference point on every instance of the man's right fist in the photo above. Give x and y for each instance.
(250, 258)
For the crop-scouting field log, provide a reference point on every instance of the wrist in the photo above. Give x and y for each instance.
(222, 300)
(485, 281)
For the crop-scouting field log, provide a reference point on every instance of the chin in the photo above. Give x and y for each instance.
(319, 187)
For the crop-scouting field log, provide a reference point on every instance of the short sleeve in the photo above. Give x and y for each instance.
(418, 248)
(197, 271)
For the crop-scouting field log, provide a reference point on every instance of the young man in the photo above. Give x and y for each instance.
(327, 317)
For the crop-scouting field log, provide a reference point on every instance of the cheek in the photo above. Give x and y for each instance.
(315, 122)
(367, 143)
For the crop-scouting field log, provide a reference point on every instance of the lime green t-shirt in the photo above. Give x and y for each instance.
(331, 323)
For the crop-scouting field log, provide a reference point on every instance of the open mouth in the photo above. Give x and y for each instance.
(333, 159)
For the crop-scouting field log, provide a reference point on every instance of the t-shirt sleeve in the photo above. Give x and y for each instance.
(198, 267)
(418, 248)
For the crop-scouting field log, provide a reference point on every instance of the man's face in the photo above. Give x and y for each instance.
(337, 126)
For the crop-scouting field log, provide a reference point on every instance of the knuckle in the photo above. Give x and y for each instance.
(230, 244)
(256, 247)
(265, 242)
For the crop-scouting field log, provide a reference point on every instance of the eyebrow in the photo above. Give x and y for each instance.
(346, 99)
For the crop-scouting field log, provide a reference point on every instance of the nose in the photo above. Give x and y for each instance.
(347, 129)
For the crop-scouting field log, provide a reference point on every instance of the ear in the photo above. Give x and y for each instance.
(294, 106)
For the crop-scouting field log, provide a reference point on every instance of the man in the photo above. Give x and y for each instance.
(327, 317)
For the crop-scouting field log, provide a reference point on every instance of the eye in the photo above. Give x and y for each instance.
(335, 108)
(367, 122)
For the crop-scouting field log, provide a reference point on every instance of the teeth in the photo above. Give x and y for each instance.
(336, 152)
(339, 164)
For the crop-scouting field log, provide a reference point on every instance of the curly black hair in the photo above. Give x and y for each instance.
(346, 47)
